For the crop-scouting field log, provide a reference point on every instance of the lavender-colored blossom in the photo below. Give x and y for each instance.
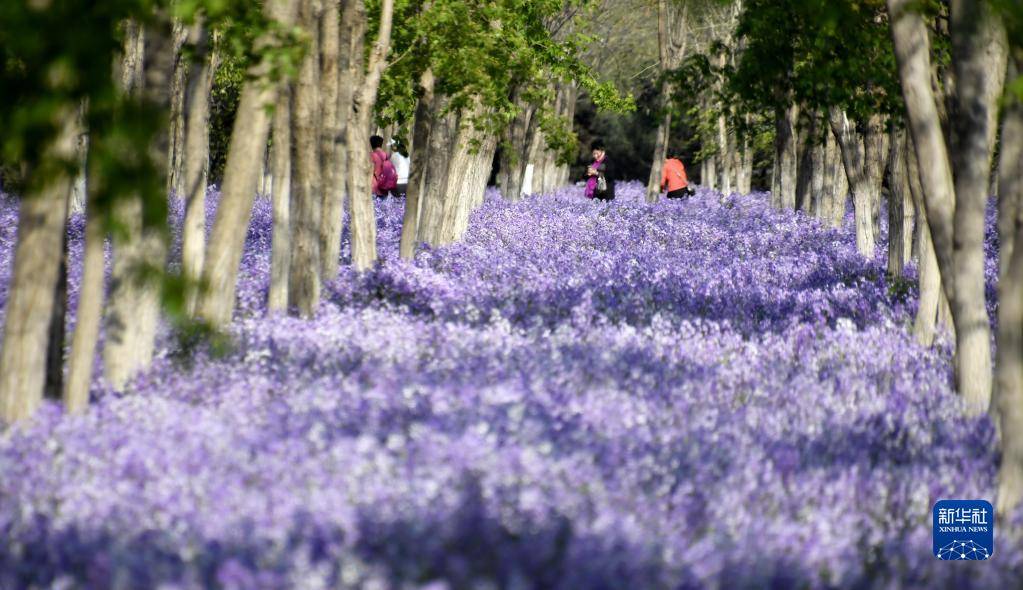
(700, 394)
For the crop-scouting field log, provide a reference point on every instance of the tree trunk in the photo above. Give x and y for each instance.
(421, 132)
(819, 204)
(931, 295)
(332, 193)
(241, 177)
(514, 156)
(133, 310)
(351, 67)
(30, 300)
(979, 57)
(80, 188)
(1009, 366)
(280, 256)
(306, 189)
(89, 311)
(177, 119)
(836, 182)
(806, 170)
(437, 158)
(900, 208)
(955, 209)
(864, 176)
(745, 173)
(363, 219)
(783, 184)
(54, 386)
(468, 171)
(197, 150)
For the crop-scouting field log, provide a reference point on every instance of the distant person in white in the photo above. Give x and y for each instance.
(400, 159)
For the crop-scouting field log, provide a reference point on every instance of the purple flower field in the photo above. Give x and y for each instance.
(578, 395)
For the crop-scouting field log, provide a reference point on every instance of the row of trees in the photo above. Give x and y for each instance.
(118, 100)
(916, 101)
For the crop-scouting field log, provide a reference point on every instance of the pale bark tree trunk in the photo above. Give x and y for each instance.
(900, 208)
(514, 156)
(836, 183)
(745, 173)
(41, 225)
(819, 204)
(306, 189)
(468, 170)
(786, 163)
(955, 209)
(133, 310)
(421, 132)
(1009, 366)
(280, 249)
(571, 90)
(332, 193)
(672, 37)
(177, 122)
(804, 178)
(979, 58)
(80, 188)
(441, 146)
(363, 218)
(860, 157)
(711, 181)
(89, 312)
(726, 169)
(927, 320)
(351, 74)
(196, 157)
(241, 177)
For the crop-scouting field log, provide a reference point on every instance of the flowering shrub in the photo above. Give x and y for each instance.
(578, 395)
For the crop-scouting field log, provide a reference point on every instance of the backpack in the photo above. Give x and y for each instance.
(388, 179)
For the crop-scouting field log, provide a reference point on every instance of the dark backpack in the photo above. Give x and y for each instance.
(388, 176)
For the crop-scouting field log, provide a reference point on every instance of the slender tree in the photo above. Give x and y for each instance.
(955, 208)
(196, 159)
(306, 184)
(133, 307)
(280, 256)
(672, 34)
(241, 177)
(1009, 374)
(30, 302)
(363, 218)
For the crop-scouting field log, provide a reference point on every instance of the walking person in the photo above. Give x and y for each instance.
(600, 182)
(385, 179)
(674, 179)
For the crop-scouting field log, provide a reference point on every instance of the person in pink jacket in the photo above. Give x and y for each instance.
(385, 179)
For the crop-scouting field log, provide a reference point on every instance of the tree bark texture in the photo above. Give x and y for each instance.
(363, 216)
(280, 248)
(1009, 366)
(196, 162)
(241, 178)
(133, 310)
(332, 181)
(306, 189)
(900, 208)
(30, 301)
(786, 162)
(421, 131)
(862, 154)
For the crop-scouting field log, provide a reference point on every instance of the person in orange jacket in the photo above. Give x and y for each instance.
(674, 179)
